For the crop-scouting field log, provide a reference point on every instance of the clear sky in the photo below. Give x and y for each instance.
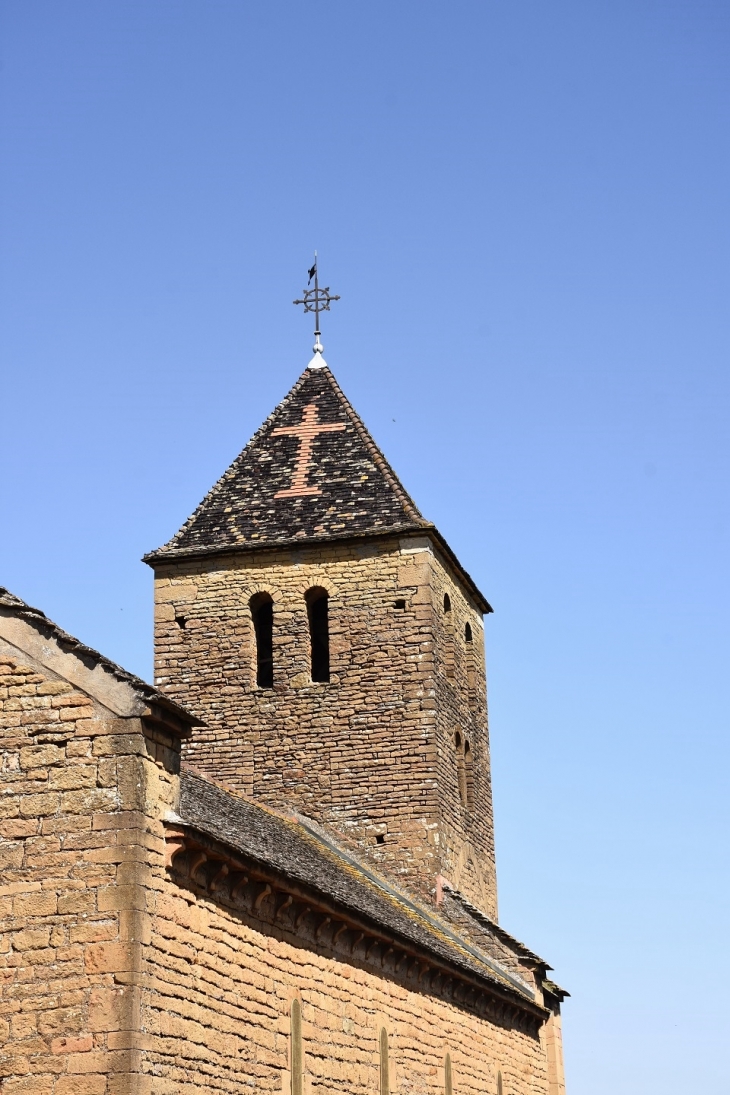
(524, 207)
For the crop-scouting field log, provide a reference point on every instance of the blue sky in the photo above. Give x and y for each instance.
(524, 207)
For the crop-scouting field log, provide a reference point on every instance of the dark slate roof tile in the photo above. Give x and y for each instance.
(311, 472)
(301, 851)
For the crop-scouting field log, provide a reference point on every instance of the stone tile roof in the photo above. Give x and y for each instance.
(311, 472)
(11, 605)
(300, 851)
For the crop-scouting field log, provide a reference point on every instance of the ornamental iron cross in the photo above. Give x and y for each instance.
(316, 300)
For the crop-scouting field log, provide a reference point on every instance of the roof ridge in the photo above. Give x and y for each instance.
(480, 916)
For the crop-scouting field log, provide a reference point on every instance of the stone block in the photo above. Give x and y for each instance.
(11, 855)
(81, 1043)
(119, 745)
(112, 957)
(114, 1008)
(17, 828)
(59, 1022)
(99, 1061)
(94, 931)
(113, 898)
(72, 777)
(40, 805)
(30, 939)
(92, 1084)
(88, 801)
(77, 901)
(35, 904)
(40, 756)
(119, 819)
(29, 1085)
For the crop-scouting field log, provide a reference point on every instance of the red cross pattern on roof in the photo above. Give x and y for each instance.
(306, 431)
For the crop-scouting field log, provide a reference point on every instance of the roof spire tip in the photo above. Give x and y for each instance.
(316, 300)
(317, 362)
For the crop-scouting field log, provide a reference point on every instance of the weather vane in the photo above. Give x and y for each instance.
(316, 300)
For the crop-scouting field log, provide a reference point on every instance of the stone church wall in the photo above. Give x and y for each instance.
(372, 752)
(217, 1013)
(465, 809)
(76, 785)
(117, 979)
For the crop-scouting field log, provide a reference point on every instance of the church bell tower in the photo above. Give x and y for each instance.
(333, 647)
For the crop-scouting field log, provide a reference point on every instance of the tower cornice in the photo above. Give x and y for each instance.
(166, 556)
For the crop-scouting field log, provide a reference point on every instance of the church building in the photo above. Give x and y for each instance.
(273, 871)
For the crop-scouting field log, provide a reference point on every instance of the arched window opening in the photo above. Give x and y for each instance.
(447, 603)
(262, 614)
(448, 1083)
(467, 633)
(469, 776)
(384, 1062)
(499, 1083)
(297, 1062)
(319, 636)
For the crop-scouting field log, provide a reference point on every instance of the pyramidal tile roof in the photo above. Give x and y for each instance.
(311, 472)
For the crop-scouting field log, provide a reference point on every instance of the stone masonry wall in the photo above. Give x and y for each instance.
(372, 752)
(74, 787)
(216, 1015)
(119, 978)
(466, 828)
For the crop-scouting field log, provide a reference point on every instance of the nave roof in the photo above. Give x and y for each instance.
(305, 855)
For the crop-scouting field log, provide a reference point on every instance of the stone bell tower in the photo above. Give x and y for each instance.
(333, 647)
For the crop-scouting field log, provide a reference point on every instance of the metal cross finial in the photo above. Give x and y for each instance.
(316, 300)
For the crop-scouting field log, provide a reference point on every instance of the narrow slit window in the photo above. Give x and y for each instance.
(448, 1083)
(297, 1063)
(262, 614)
(460, 768)
(469, 776)
(384, 1062)
(449, 639)
(319, 635)
(471, 677)
(499, 1083)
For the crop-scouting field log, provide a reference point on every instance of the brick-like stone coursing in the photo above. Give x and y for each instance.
(219, 1005)
(371, 752)
(120, 977)
(73, 859)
